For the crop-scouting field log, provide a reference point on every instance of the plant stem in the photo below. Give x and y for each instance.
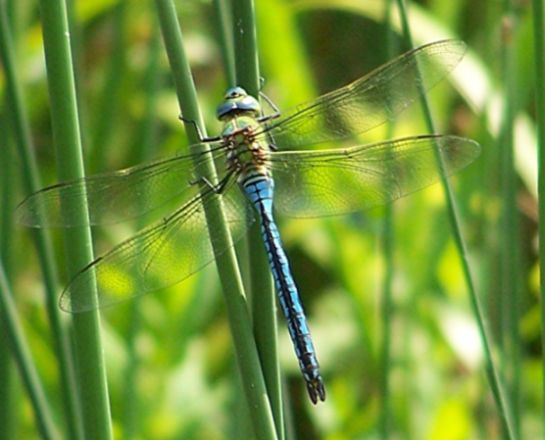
(539, 57)
(144, 141)
(224, 21)
(387, 299)
(237, 309)
(21, 354)
(247, 62)
(25, 148)
(93, 391)
(509, 232)
(492, 373)
(102, 128)
(10, 401)
(263, 295)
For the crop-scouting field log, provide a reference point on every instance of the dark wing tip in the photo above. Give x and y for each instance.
(82, 301)
(23, 215)
(465, 149)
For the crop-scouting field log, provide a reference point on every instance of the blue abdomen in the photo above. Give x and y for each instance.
(259, 189)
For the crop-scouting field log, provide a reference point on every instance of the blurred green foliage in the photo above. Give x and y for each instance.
(169, 355)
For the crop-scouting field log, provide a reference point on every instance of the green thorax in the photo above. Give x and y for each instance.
(248, 149)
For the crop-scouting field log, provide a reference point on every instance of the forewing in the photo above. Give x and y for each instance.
(115, 196)
(369, 101)
(158, 257)
(332, 182)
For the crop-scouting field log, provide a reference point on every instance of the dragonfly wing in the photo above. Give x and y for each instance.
(159, 256)
(115, 196)
(369, 101)
(332, 182)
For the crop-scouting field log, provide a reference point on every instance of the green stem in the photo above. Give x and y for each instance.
(509, 227)
(247, 62)
(387, 298)
(21, 353)
(10, 401)
(263, 295)
(224, 20)
(491, 372)
(144, 140)
(25, 148)
(237, 308)
(102, 128)
(539, 57)
(93, 391)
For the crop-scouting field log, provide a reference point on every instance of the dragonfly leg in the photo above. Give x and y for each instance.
(265, 118)
(276, 111)
(205, 181)
(270, 141)
(218, 188)
(202, 137)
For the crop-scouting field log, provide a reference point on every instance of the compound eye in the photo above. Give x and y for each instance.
(232, 94)
(235, 93)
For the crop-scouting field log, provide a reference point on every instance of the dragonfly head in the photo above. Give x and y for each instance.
(237, 101)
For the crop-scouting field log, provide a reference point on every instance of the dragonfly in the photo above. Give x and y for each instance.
(266, 164)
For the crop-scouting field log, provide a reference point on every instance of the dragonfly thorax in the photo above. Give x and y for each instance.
(246, 145)
(237, 102)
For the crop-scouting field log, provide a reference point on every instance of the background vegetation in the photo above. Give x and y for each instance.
(386, 295)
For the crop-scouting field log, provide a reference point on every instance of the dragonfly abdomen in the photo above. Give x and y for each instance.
(259, 189)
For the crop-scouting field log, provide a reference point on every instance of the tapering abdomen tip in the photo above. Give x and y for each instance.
(316, 390)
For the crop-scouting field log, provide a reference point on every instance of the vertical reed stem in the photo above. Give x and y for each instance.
(21, 354)
(25, 149)
(387, 293)
(539, 57)
(237, 308)
(263, 295)
(93, 390)
(492, 373)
